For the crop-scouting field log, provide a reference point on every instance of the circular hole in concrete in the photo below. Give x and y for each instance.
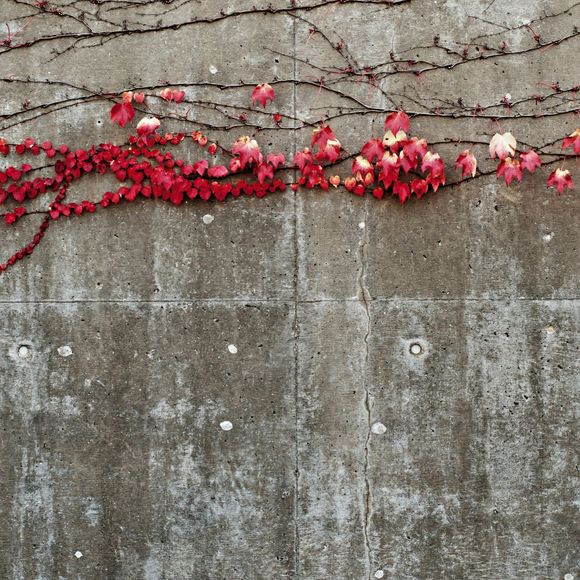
(416, 349)
(24, 351)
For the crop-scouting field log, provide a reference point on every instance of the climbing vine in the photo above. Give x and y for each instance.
(393, 164)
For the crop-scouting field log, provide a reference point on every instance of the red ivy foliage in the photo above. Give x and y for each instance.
(396, 164)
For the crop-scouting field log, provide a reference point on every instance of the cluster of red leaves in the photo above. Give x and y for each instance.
(143, 170)
(509, 167)
(396, 164)
(388, 164)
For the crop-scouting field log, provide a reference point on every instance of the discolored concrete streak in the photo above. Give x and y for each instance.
(311, 385)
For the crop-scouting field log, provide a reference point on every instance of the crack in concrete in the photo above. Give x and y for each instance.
(364, 298)
(296, 330)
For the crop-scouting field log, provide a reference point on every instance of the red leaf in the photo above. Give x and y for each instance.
(147, 126)
(467, 163)
(434, 164)
(530, 161)
(200, 167)
(573, 141)
(235, 165)
(389, 164)
(419, 187)
(411, 151)
(502, 145)
(373, 149)
(265, 170)
(560, 179)
(263, 93)
(276, 159)
(122, 113)
(361, 168)
(510, 169)
(328, 145)
(303, 158)
(166, 94)
(402, 190)
(350, 183)
(248, 150)
(397, 121)
(217, 171)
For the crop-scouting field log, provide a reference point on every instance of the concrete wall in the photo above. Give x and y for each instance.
(349, 457)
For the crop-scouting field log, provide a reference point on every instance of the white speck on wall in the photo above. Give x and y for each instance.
(233, 348)
(24, 351)
(78, 554)
(207, 218)
(550, 329)
(378, 428)
(226, 425)
(379, 574)
(361, 225)
(65, 350)
(568, 576)
(212, 69)
(548, 237)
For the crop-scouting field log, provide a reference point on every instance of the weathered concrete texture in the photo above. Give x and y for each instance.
(240, 398)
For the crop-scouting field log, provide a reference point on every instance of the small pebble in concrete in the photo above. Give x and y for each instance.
(416, 349)
(379, 574)
(78, 554)
(361, 225)
(550, 329)
(232, 348)
(378, 428)
(213, 69)
(207, 218)
(568, 576)
(226, 425)
(65, 350)
(24, 351)
(548, 237)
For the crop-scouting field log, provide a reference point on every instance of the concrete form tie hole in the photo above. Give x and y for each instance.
(24, 351)
(416, 349)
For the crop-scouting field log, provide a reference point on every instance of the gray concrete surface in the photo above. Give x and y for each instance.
(348, 457)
